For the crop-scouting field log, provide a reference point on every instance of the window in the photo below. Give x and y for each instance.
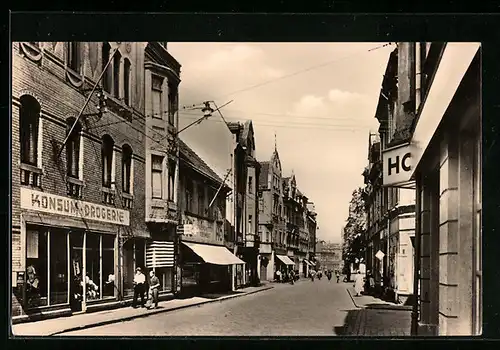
(127, 168)
(201, 200)
(106, 78)
(36, 267)
(171, 179)
(250, 184)
(92, 266)
(126, 81)
(108, 266)
(172, 103)
(116, 74)
(73, 56)
(157, 176)
(107, 160)
(46, 267)
(250, 226)
(73, 148)
(29, 115)
(157, 91)
(189, 195)
(261, 205)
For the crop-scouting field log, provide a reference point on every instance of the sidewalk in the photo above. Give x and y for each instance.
(376, 318)
(87, 320)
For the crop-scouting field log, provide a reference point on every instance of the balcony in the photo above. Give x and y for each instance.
(31, 175)
(127, 200)
(108, 195)
(74, 187)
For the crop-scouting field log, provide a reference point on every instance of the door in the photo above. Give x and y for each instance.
(263, 272)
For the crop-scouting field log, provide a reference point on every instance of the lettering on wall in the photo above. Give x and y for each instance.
(53, 204)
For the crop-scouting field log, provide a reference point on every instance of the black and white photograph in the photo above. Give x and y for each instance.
(246, 189)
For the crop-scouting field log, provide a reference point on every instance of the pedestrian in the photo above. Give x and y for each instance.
(292, 277)
(139, 284)
(278, 276)
(313, 273)
(337, 274)
(358, 283)
(153, 289)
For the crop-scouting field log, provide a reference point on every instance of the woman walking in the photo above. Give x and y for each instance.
(358, 283)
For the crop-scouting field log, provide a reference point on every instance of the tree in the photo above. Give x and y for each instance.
(354, 231)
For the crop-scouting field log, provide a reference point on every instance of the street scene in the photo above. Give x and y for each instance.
(258, 189)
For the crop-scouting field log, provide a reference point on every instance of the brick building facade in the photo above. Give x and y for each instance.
(76, 204)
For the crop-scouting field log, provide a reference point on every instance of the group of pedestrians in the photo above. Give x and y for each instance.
(328, 273)
(141, 287)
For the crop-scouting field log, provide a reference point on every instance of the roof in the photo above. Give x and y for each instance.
(195, 162)
(264, 172)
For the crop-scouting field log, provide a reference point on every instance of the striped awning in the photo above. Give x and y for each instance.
(308, 262)
(285, 259)
(159, 254)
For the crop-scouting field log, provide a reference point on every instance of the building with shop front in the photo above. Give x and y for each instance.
(245, 178)
(390, 210)
(206, 264)
(440, 93)
(80, 218)
(271, 220)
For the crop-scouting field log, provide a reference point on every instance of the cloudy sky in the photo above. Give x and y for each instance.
(318, 98)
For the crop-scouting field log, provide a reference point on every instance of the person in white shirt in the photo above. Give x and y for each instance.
(139, 287)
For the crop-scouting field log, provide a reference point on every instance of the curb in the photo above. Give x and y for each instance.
(157, 311)
(382, 306)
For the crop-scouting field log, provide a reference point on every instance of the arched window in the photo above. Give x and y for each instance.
(126, 168)
(73, 56)
(116, 74)
(29, 115)
(73, 148)
(106, 78)
(126, 81)
(107, 160)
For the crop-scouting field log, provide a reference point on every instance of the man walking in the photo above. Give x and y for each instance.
(139, 284)
(153, 289)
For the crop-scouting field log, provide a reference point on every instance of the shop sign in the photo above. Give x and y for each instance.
(396, 165)
(53, 204)
(380, 255)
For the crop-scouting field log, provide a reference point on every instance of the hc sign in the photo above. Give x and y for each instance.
(396, 165)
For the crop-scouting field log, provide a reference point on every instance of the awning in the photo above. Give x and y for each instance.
(308, 262)
(285, 259)
(159, 254)
(213, 254)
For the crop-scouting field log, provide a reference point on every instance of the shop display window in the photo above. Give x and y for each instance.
(36, 267)
(164, 274)
(108, 266)
(93, 280)
(58, 255)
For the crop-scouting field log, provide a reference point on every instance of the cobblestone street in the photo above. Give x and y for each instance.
(320, 308)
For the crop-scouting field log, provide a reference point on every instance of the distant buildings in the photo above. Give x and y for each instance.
(329, 255)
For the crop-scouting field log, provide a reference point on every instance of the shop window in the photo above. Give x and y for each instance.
(165, 274)
(108, 266)
(93, 279)
(116, 74)
(126, 81)
(157, 96)
(107, 160)
(157, 176)
(58, 256)
(29, 114)
(172, 103)
(106, 78)
(171, 179)
(36, 268)
(127, 168)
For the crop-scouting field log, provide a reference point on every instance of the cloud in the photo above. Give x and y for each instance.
(336, 95)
